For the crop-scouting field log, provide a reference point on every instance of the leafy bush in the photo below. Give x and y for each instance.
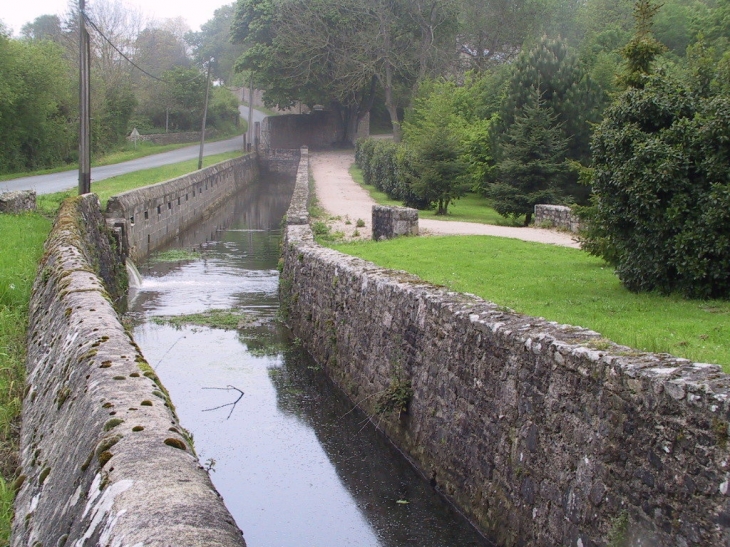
(662, 184)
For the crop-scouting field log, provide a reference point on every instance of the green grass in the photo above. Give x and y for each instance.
(126, 152)
(21, 247)
(174, 255)
(563, 285)
(470, 208)
(215, 319)
(48, 203)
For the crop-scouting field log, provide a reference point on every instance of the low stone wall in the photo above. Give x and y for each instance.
(17, 202)
(154, 215)
(317, 130)
(556, 216)
(279, 160)
(104, 459)
(543, 434)
(390, 222)
(176, 138)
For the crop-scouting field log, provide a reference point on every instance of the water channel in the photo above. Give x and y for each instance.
(295, 464)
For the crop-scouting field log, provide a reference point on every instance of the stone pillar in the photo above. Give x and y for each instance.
(390, 222)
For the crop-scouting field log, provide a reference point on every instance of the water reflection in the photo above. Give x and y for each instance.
(294, 463)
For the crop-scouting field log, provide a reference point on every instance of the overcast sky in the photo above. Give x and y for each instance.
(16, 13)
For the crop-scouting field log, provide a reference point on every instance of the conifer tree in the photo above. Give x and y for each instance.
(533, 167)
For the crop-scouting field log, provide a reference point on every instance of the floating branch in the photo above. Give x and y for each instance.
(232, 405)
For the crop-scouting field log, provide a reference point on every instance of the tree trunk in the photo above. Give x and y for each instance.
(390, 105)
(528, 219)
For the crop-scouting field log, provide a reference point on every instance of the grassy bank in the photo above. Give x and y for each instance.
(470, 208)
(563, 285)
(21, 248)
(126, 152)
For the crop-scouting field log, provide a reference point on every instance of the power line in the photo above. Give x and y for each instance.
(135, 65)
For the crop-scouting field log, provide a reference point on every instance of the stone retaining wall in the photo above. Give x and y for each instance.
(556, 216)
(104, 459)
(318, 130)
(543, 434)
(154, 215)
(279, 160)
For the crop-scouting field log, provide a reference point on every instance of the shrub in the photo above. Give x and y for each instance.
(662, 183)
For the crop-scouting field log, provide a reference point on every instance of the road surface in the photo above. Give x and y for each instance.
(57, 182)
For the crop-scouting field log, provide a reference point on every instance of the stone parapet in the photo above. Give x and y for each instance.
(154, 215)
(543, 434)
(104, 460)
(556, 216)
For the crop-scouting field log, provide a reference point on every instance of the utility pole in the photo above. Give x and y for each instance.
(84, 101)
(205, 115)
(250, 108)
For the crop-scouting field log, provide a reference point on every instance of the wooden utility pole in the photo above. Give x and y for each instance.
(84, 102)
(205, 115)
(250, 108)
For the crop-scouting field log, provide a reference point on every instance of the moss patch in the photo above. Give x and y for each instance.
(215, 319)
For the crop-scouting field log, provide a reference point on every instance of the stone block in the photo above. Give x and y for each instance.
(390, 222)
(17, 202)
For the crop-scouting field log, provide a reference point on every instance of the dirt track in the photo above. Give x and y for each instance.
(347, 201)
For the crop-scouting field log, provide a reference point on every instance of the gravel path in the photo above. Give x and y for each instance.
(346, 201)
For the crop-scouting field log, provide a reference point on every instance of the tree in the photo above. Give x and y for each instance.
(533, 168)
(565, 88)
(44, 27)
(434, 133)
(336, 52)
(214, 40)
(492, 32)
(661, 211)
(35, 106)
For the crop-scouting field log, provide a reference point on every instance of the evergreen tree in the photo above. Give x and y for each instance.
(565, 87)
(533, 168)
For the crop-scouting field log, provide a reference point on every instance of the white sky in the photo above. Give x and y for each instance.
(15, 13)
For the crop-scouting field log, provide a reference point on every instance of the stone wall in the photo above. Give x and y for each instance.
(390, 222)
(318, 130)
(17, 202)
(104, 460)
(154, 215)
(543, 434)
(277, 160)
(556, 216)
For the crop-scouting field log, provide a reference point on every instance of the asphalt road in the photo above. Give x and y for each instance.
(56, 182)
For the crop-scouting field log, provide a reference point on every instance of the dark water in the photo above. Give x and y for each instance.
(296, 465)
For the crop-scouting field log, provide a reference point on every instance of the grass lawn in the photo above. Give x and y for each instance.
(470, 208)
(48, 203)
(564, 285)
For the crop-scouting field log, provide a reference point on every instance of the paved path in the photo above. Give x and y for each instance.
(57, 182)
(342, 197)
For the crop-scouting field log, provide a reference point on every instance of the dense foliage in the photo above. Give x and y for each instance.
(39, 86)
(662, 177)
